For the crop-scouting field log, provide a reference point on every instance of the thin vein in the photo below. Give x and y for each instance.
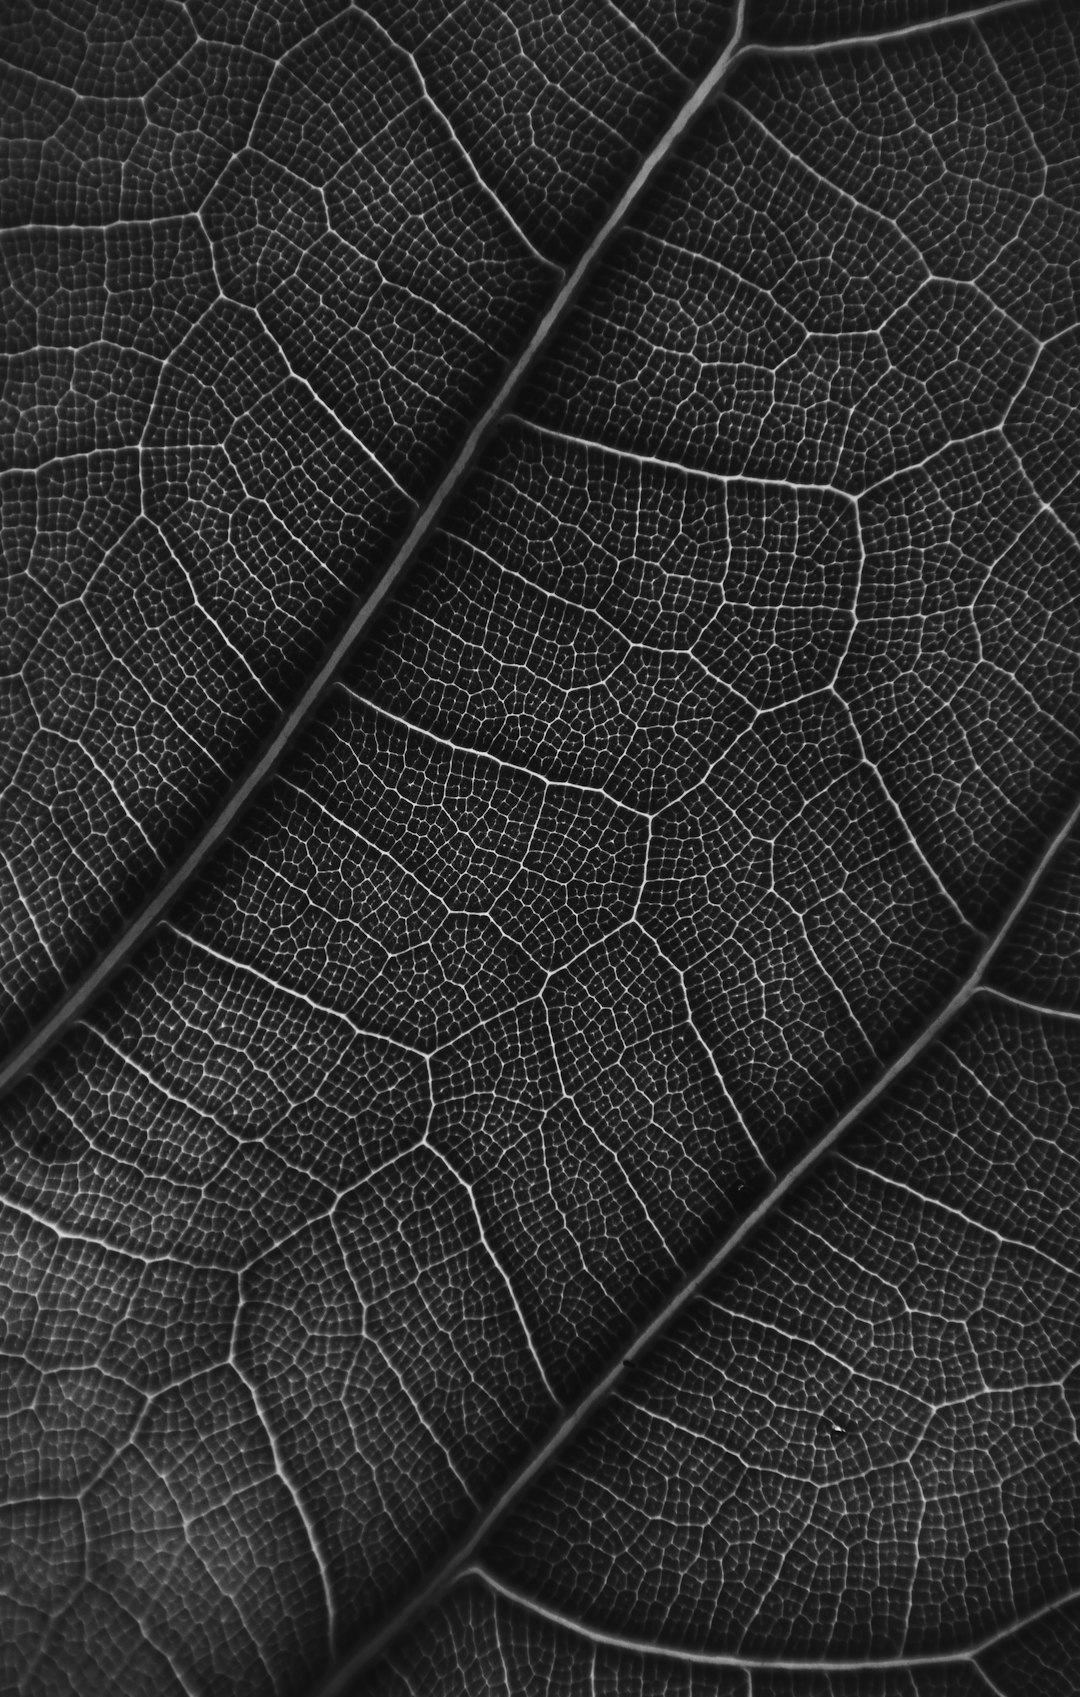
(478, 1218)
(902, 32)
(283, 1472)
(729, 1659)
(635, 29)
(1043, 1009)
(465, 749)
(725, 477)
(936, 1203)
(236, 965)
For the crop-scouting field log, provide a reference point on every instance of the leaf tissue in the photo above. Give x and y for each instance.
(540, 876)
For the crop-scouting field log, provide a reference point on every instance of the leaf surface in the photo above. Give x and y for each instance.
(555, 1162)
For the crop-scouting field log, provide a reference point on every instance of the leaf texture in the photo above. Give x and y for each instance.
(269, 269)
(575, 1185)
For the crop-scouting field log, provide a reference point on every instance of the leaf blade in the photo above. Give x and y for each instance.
(321, 1160)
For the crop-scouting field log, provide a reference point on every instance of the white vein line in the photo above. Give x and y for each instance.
(983, 434)
(903, 32)
(144, 1072)
(802, 921)
(706, 1048)
(310, 1528)
(988, 1682)
(500, 1269)
(323, 406)
(30, 225)
(215, 623)
(917, 1547)
(433, 305)
(284, 989)
(112, 781)
(898, 813)
(26, 905)
(729, 272)
(837, 189)
(658, 1417)
(459, 147)
(468, 753)
(308, 1221)
(627, 644)
(1028, 1006)
(354, 1408)
(730, 1659)
(612, 1153)
(66, 1234)
(382, 854)
(724, 477)
(578, 608)
(635, 29)
(1009, 93)
(995, 668)
(934, 1202)
(850, 1369)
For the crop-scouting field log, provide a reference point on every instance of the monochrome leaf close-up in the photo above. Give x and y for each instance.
(540, 883)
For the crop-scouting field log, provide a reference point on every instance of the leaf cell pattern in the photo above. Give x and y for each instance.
(580, 1191)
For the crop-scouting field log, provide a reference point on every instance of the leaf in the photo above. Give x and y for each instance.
(541, 1140)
